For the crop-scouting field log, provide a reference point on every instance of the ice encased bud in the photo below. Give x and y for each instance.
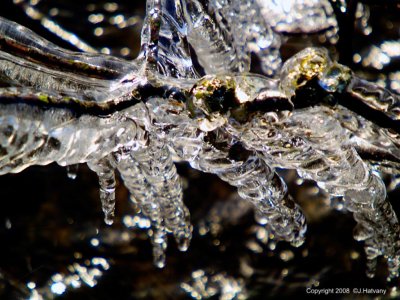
(302, 67)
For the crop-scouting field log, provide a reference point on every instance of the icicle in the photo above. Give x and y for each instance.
(160, 173)
(104, 169)
(324, 153)
(377, 223)
(143, 196)
(223, 38)
(164, 39)
(257, 182)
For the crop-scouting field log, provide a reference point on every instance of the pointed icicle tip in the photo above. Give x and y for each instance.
(109, 219)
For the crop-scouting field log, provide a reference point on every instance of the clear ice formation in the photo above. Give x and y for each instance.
(136, 118)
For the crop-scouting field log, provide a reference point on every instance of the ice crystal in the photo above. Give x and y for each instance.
(138, 117)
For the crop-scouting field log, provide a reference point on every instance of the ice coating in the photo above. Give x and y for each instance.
(305, 16)
(65, 107)
(30, 61)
